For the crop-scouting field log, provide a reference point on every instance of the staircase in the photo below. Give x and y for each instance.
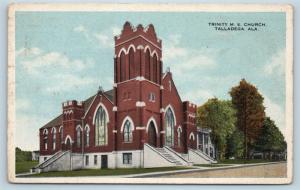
(163, 157)
(203, 156)
(168, 156)
(39, 168)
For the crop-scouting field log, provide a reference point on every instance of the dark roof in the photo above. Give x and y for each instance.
(58, 120)
(88, 102)
(54, 122)
(110, 94)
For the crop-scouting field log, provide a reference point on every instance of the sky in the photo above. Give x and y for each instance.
(62, 56)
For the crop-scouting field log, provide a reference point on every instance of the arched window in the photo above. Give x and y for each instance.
(127, 131)
(45, 139)
(192, 136)
(147, 65)
(78, 136)
(53, 131)
(169, 127)
(155, 68)
(61, 135)
(122, 67)
(179, 131)
(87, 136)
(100, 127)
(131, 63)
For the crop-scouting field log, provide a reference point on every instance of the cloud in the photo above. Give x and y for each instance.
(276, 65)
(104, 40)
(22, 104)
(186, 59)
(104, 37)
(34, 51)
(81, 29)
(65, 82)
(116, 30)
(56, 72)
(276, 113)
(198, 96)
(172, 49)
(27, 132)
(46, 62)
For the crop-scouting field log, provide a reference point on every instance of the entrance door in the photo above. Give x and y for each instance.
(152, 134)
(68, 144)
(103, 161)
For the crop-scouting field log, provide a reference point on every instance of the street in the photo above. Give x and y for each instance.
(270, 170)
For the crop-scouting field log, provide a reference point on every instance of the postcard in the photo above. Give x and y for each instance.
(150, 93)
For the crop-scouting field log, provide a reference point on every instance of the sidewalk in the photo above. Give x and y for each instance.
(193, 169)
(196, 169)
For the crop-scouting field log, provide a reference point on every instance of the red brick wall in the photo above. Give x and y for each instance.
(171, 97)
(127, 94)
(110, 125)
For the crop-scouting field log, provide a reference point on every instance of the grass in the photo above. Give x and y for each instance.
(210, 165)
(25, 166)
(104, 172)
(241, 161)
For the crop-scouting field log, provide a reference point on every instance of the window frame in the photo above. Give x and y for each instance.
(87, 160)
(127, 132)
(95, 160)
(101, 120)
(127, 158)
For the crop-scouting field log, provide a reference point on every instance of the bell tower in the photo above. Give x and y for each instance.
(137, 54)
(137, 81)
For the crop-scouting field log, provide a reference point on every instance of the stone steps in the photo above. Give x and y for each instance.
(169, 156)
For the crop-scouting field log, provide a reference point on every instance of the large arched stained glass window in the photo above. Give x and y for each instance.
(169, 127)
(100, 127)
(127, 131)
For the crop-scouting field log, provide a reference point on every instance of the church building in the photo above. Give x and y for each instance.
(141, 122)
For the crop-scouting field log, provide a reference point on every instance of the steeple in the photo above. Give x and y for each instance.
(138, 54)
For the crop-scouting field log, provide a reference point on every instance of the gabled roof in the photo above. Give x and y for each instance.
(169, 73)
(54, 122)
(86, 104)
(109, 94)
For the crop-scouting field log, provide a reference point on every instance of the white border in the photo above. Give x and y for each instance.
(150, 7)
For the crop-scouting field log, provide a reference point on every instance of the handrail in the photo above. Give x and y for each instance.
(206, 157)
(159, 153)
(52, 159)
(48, 159)
(176, 153)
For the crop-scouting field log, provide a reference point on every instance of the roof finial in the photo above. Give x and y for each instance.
(100, 89)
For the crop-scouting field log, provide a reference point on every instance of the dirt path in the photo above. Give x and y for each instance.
(270, 170)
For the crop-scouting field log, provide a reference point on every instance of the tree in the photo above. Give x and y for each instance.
(235, 145)
(219, 116)
(250, 112)
(271, 140)
(22, 155)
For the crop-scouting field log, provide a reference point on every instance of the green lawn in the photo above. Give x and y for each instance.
(241, 161)
(105, 172)
(211, 165)
(25, 166)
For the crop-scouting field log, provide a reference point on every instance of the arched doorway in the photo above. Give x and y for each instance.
(152, 134)
(68, 144)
